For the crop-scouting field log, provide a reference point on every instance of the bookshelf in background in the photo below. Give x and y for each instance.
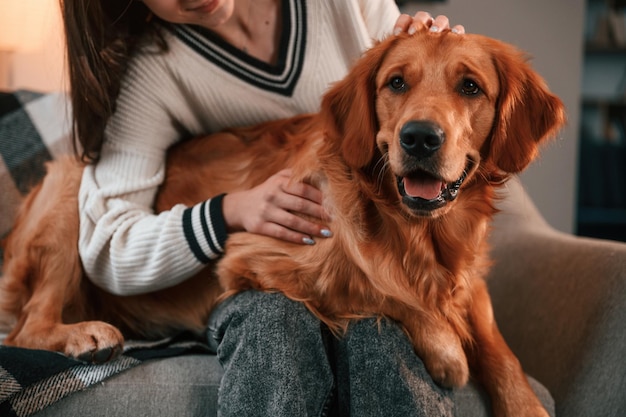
(602, 159)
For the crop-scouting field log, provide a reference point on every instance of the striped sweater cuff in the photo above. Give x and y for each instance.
(205, 229)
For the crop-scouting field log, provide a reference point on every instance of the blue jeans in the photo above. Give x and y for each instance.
(280, 360)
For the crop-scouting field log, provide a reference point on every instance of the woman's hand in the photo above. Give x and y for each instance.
(269, 209)
(423, 20)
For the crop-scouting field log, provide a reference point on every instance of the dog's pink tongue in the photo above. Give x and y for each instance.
(426, 188)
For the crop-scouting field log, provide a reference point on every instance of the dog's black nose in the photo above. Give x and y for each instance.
(421, 138)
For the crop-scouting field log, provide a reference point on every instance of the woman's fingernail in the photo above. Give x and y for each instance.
(455, 30)
(434, 28)
(412, 30)
(397, 31)
(326, 233)
(308, 241)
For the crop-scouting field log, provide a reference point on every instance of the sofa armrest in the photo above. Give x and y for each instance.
(560, 302)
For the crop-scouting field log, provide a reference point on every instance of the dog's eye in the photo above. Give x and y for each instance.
(469, 87)
(397, 84)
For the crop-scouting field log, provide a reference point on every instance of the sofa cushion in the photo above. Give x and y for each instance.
(188, 386)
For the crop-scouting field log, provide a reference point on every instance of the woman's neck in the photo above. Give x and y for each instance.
(255, 28)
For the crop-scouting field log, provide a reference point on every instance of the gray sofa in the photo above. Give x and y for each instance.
(560, 301)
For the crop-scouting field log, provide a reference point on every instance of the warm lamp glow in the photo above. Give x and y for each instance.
(23, 24)
(23, 27)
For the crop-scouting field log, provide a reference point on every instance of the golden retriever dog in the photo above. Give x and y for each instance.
(408, 150)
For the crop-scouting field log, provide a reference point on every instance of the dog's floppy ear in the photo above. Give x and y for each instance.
(527, 112)
(349, 109)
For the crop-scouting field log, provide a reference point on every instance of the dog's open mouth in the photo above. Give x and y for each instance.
(422, 191)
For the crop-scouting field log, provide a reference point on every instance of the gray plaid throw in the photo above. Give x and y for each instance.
(31, 380)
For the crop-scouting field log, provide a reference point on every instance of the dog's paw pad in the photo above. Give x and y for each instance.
(450, 373)
(101, 355)
(94, 342)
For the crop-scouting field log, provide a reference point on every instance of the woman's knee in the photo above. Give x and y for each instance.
(388, 333)
(262, 317)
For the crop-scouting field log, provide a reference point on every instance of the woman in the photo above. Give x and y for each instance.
(146, 74)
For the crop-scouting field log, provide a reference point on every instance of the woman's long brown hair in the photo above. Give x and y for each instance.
(101, 36)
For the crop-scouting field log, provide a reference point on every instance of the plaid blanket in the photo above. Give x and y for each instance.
(34, 129)
(31, 380)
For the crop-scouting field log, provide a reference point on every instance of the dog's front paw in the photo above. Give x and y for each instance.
(93, 341)
(447, 367)
(441, 350)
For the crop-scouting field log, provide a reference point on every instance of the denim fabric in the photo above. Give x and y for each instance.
(279, 360)
(274, 358)
(379, 374)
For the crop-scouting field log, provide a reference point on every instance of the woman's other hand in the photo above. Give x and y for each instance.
(270, 209)
(423, 20)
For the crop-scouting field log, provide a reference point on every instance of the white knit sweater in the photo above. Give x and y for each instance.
(202, 85)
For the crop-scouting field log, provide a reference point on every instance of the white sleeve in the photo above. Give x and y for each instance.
(379, 16)
(126, 248)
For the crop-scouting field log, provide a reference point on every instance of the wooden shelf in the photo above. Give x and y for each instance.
(601, 101)
(602, 223)
(602, 215)
(601, 206)
(597, 49)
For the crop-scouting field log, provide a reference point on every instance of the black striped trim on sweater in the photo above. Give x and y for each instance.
(213, 229)
(280, 78)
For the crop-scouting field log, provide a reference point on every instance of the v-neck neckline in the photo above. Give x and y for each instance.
(281, 77)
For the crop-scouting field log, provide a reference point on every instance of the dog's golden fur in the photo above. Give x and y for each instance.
(409, 223)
